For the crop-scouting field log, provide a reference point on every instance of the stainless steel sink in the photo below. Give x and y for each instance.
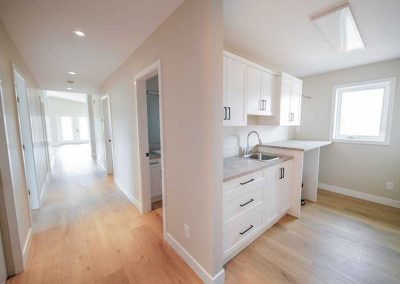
(261, 157)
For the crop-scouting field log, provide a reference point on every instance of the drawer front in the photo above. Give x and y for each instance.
(237, 204)
(242, 228)
(243, 182)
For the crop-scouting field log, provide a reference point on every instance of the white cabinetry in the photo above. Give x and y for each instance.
(253, 203)
(234, 92)
(155, 178)
(260, 90)
(289, 100)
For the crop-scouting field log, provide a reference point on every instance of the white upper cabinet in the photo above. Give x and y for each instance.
(289, 100)
(251, 89)
(260, 89)
(235, 113)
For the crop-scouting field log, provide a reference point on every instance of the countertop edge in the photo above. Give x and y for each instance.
(263, 165)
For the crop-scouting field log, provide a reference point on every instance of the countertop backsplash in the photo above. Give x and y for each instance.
(235, 138)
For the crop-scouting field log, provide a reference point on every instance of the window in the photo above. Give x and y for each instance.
(363, 112)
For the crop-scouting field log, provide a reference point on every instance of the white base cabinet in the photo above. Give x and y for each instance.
(155, 178)
(253, 203)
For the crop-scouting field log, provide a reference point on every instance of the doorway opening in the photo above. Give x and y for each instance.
(68, 128)
(149, 102)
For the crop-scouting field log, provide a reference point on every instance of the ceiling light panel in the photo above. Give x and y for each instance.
(340, 29)
(72, 73)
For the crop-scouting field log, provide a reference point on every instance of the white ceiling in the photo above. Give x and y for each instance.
(279, 33)
(42, 31)
(76, 97)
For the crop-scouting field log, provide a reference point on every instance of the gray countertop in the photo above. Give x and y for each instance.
(300, 145)
(235, 167)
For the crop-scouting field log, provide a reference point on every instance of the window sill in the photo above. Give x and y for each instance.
(355, 141)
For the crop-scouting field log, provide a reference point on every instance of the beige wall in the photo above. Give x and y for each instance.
(359, 167)
(189, 45)
(11, 163)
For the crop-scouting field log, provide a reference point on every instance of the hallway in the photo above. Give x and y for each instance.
(87, 231)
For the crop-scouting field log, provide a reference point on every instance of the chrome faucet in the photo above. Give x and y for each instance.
(248, 136)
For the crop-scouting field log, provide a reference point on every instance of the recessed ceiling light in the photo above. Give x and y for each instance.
(69, 88)
(79, 33)
(72, 73)
(340, 29)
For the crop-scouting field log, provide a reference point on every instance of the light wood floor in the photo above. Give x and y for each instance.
(337, 240)
(88, 232)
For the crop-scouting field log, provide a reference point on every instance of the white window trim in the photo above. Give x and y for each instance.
(387, 112)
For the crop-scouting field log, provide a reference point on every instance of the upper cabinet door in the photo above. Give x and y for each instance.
(285, 90)
(235, 93)
(254, 105)
(295, 101)
(290, 100)
(268, 88)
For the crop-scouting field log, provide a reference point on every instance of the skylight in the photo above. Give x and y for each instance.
(340, 29)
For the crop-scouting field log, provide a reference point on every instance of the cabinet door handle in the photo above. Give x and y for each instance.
(229, 113)
(245, 231)
(244, 204)
(225, 114)
(153, 163)
(281, 173)
(246, 182)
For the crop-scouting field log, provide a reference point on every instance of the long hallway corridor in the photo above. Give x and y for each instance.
(87, 231)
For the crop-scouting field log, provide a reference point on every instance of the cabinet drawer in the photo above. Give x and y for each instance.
(237, 204)
(243, 182)
(242, 228)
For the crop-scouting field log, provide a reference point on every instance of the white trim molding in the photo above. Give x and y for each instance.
(360, 195)
(189, 259)
(27, 245)
(131, 198)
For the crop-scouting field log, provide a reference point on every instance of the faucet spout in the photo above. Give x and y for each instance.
(248, 138)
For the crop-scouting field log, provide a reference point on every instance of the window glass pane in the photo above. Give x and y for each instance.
(361, 112)
(83, 128)
(66, 128)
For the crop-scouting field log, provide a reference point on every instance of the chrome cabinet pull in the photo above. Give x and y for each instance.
(245, 231)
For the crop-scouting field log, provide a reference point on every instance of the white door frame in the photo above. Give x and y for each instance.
(110, 143)
(141, 117)
(45, 139)
(34, 194)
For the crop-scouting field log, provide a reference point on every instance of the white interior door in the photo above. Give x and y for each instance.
(26, 139)
(105, 105)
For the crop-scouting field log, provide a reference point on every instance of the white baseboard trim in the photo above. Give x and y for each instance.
(27, 245)
(156, 197)
(131, 198)
(200, 271)
(360, 195)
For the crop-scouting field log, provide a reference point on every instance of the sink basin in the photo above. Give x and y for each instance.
(261, 157)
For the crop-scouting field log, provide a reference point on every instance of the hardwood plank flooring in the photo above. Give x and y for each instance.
(337, 240)
(87, 231)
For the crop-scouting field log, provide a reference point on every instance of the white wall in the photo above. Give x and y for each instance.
(16, 203)
(90, 103)
(359, 167)
(57, 107)
(236, 137)
(189, 45)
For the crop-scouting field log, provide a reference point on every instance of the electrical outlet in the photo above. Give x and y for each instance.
(187, 231)
(389, 185)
